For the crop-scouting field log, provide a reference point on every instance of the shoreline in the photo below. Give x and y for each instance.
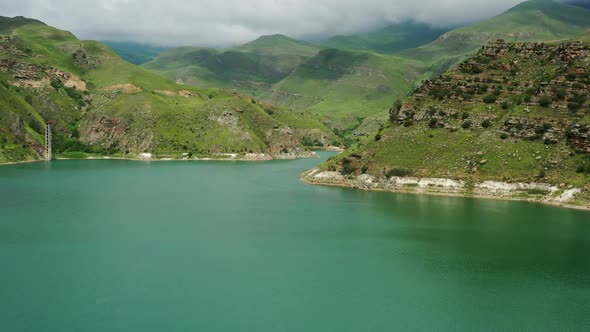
(139, 159)
(307, 178)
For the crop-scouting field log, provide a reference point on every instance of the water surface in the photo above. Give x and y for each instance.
(231, 246)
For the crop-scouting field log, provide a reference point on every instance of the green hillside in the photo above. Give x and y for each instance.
(533, 20)
(513, 113)
(100, 104)
(344, 87)
(351, 89)
(250, 68)
(394, 38)
(135, 53)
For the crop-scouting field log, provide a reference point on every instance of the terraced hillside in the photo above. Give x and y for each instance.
(100, 105)
(517, 114)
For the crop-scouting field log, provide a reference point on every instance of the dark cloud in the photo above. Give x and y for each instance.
(226, 22)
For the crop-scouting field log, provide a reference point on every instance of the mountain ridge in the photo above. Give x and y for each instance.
(100, 105)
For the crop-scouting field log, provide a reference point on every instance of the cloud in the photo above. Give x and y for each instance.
(227, 22)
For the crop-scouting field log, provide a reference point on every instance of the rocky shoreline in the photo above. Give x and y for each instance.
(530, 192)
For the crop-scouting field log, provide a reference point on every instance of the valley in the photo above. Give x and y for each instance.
(503, 99)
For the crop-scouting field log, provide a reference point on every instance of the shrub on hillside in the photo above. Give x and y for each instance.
(56, 84)
(433, 123)
(545, 101)
(526, 98)
(583, 169)
(490, 99)
(400, 172)
(466, 124)
(75, 95)
(560, 92)
(36, 126)
(574, 107)
(486, 123)
(348, 169)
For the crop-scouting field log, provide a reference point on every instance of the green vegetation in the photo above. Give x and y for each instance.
(349, 82)
(394, 38)
(250, 68)
(99, 104)
(464, 134)
(323, 94)
(533, 20)
(135, 53)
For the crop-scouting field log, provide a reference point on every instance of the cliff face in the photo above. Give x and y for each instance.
(512, 113)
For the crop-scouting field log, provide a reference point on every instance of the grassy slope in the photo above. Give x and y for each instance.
(344, 87)
(135, 53)
(154, 118)
(523, 142)
(394, 38)
(250, 68)
(351, 90)
(534, 20)
(21, 127)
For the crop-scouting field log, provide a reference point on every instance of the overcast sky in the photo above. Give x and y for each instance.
(228, 22)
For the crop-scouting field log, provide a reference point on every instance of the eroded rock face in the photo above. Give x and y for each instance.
(563, 52)
(554, 77)
(541, 192)
(102, 129)
(25, 74)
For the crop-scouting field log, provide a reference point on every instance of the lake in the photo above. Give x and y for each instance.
(236, 246)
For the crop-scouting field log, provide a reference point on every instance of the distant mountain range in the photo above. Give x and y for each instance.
(350, 81)
(275, 95)
(135, 53)
(100, 105)
(394, 38)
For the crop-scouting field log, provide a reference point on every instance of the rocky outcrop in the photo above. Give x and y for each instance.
(536, 192)
(533, 76)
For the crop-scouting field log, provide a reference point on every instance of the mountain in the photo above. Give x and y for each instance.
(533, 20)
(516, 113)
(135, 53)
(579, 3)
(344, 87)
(345, 80)
(98, 104)
(250, 68)
(394, 38)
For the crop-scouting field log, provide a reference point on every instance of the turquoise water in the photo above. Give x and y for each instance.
(223, 246)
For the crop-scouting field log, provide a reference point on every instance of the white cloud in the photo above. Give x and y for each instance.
(224, 22)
